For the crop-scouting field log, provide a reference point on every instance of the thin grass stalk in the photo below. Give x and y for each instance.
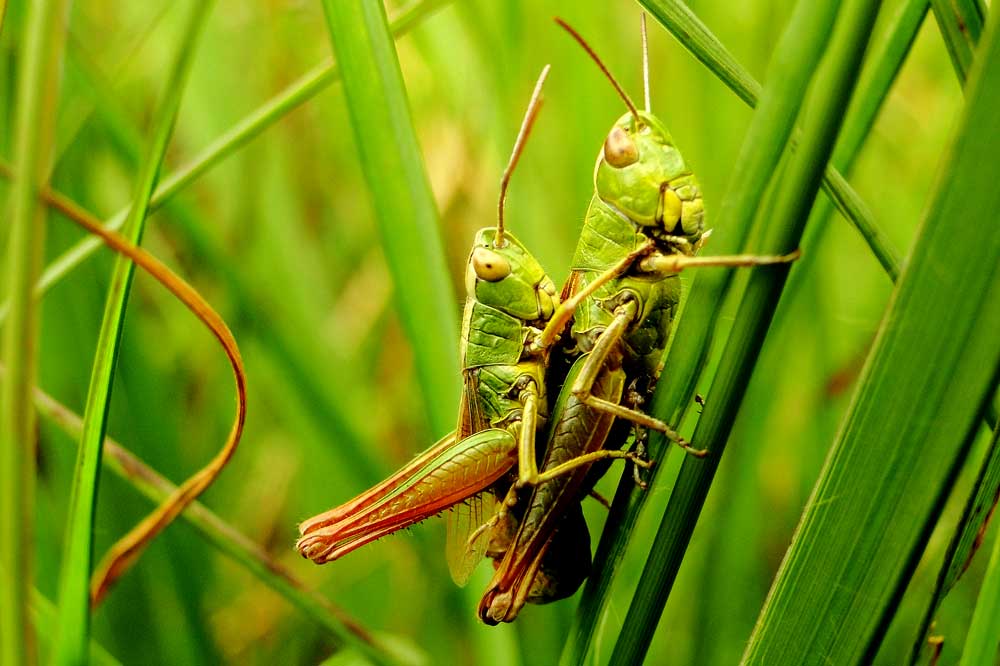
(831, 92)
(965, 542)
(910, 425)
(39, 60)
(886, 60)
(74, 595)
(695, 36)
(152, 485)
(43, 614)
(221, 535)
(983, 639)
(250, 126)
(405, 210)
(770, 131)
(961, 24)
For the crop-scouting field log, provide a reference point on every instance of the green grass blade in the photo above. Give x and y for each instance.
(908, 429)
(74, 595)
(405, 209)
(693, 35)
(888, 55)
(252, 125)
(770, 130)
(43, 614)
(961, 23)
(38, 65)
(983, 641)
(968, 534)
(795, 195)
(223, 536)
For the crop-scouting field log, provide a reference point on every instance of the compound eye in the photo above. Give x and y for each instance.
(619, 149)
(489, 265)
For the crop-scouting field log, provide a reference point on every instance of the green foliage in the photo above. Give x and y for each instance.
(300, 208)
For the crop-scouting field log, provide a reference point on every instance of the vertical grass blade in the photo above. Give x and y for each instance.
(770, 130)
(38, 67)
(43, 614)
(405, 209)
(695, 36)
(961, 23)
(983, 640)
(967, 537)
(74, 594)
(795, 195)
(910, 423)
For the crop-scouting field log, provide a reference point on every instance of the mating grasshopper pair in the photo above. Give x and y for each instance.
(644, 225)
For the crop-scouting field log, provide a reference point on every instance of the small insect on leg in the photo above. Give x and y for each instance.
(640, 450)
(584, 383)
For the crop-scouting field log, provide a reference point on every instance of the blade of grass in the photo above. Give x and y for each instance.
(770, 130)
(983, 640)
(147, 480)
(405, 209)
(223, 536)
(887, 58)
(965, 542)
(695, 36)
(74, 596)
(693, 337)
(227, 539)
(38, 60)
(961, 24)
(831, 91)
(43, 614)
(290, 355)
(910, 424)
(302, 90)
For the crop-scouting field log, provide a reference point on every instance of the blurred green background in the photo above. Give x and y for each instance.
(280, 238)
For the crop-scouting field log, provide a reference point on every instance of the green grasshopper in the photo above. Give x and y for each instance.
(644, 225)
(509, 300)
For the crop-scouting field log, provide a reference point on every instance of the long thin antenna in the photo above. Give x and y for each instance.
(645, 63)
(529, 119)
(586, 47)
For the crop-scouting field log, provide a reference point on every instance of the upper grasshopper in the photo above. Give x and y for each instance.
(509, 300)
(644, 224)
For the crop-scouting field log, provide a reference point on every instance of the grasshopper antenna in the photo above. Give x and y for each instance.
(529, 119)
(645, 62)
(586, 47)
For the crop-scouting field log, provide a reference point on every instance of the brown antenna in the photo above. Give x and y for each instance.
(645, 63)
(586, 47)
(529, 119)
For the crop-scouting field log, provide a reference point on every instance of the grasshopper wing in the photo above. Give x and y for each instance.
(469, 535)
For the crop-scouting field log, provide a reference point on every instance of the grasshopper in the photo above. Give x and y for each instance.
(509, 300)
(644, 225)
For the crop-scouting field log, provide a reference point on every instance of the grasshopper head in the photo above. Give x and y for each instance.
(509, 278)
(641, 174)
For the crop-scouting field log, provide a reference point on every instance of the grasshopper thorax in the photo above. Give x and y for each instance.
(642, 176)
(509, 278)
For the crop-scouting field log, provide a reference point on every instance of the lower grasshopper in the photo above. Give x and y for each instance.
(509, 300)
(644, 225)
